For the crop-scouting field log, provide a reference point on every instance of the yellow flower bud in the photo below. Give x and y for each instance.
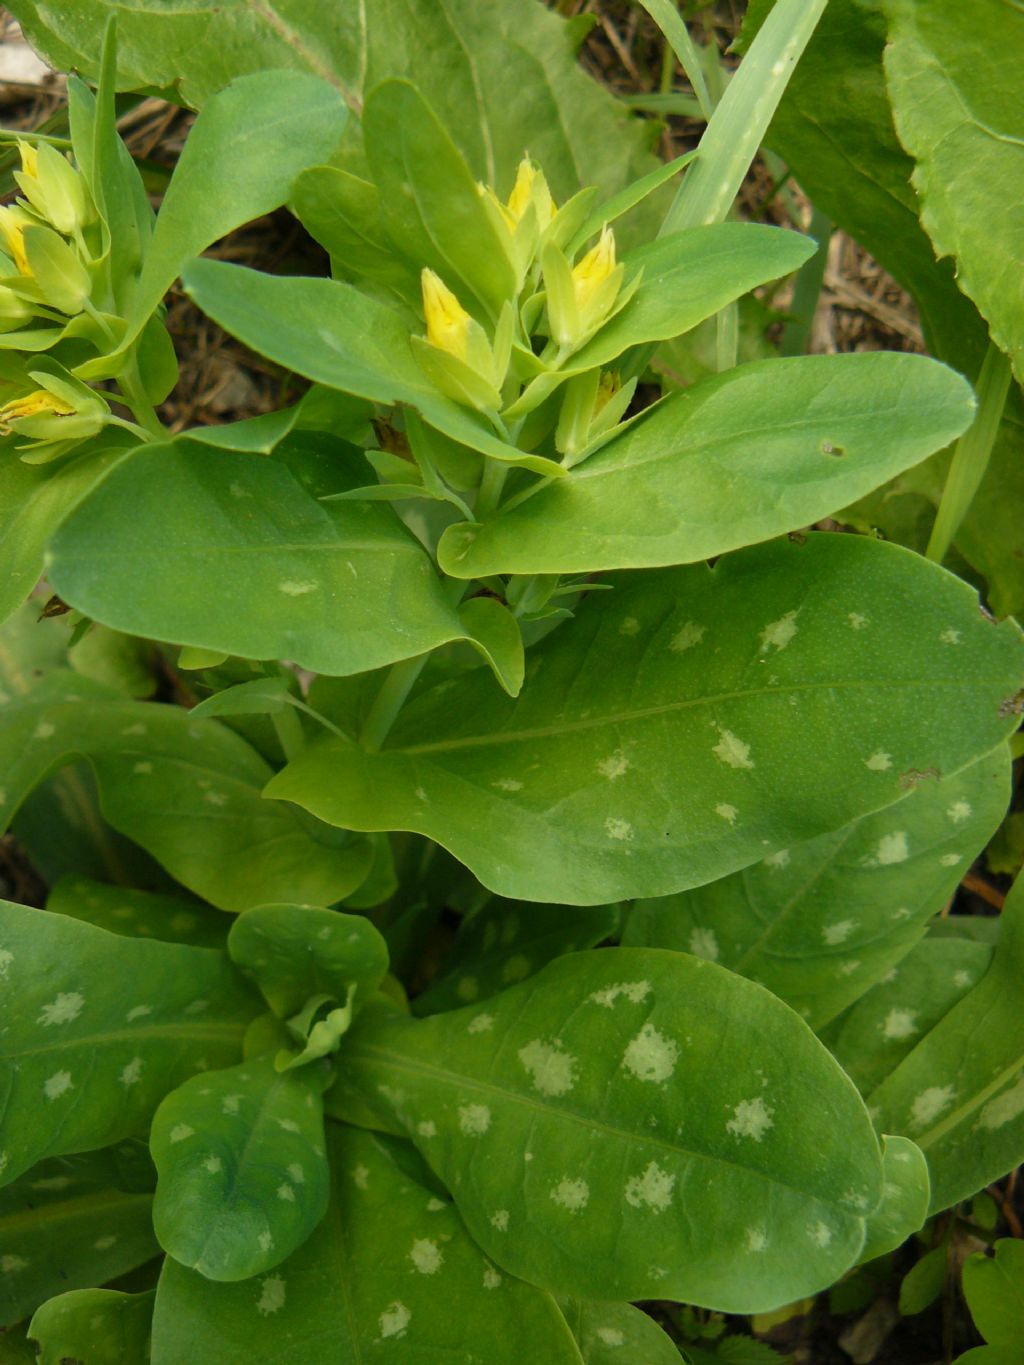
(531, 188)
(53, 188)
(448, 323)
(32, 405)
(595, 267)
(29, 159)
(13, 222)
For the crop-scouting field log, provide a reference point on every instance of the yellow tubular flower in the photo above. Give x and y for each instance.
(522, 190)
(32, 405)
(29, 159)
(447, 321)
(594, 269)
(12, 230)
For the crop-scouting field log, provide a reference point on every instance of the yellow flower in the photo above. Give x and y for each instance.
(29, 159)
(32, 405)
(595, 267)
(12, 229)
(448, 323)
(53, 188)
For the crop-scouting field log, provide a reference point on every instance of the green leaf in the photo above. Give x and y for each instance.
(926, 1280)
(672, 764)
(330, 332)
(429, 199)
(886, 1024)
(138, 914)
(293, 952)
(994, 1290)
(158, 771)
(243, 1176)
(100, 1028)
(506, 942)
(471, 64)
(819, 923)
(615, 1333)
(765, 448)
(261, 697)
(237, 519)
(952, 81)
(960, 1093)
(34, 499)
(98, 1326)
(904, 1205)
(688, 276)
(633, 1084)
(391, 1274)
(64, 1225)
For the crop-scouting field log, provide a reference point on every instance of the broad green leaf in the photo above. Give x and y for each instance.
(100, 1028)
(330, 332)
(261, 697)
(390, 1275)
(952, 79)
(429, 200)
(506, 942)
(96, 1326)
(820, 923)
(688, 276)
(904, 1206)
(960, 1093)
(765, 448)
(338, 587)
(886, 1024)
(293, 952)
(671, 764)
(472, 63)
(994, 1290)
(158, 772)
(138, 914)
(925, 1281)
(243, 1176)
(634, 1123)
(616, 1333)
(63, 1225)
(34, 499)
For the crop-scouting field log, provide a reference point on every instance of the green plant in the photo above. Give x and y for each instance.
(449, 642)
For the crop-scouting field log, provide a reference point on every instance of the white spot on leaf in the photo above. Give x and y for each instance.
(751, 1118)
(180, 1132)
(930, 1103)
(652, 1190)
(732, 750)
(778, 634)
(615, 765)
(650, 1056)
(879, 762)
(394, 1321)
(703, 943)
(892, 848)
(1004, 1108)
(58, 1084)
(552, 1071)
(474, 1119)
(618, 829)
(570, 1194)
(900, 1023)
(838, 932)
(610, 1336)
(689, 635)
(426, 1256)
(480, 1023)
(272, 1296)
(131, 1072)
(499, 1220)
(635, 991)
(293, 587)
(63, 1010)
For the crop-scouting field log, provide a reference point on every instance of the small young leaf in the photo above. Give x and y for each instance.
(96, 1326)
(904, 1205)
(924, 1282)
(994, 1290)
(617, 1333)
(243, 1177)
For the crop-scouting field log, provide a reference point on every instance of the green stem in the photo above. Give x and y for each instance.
(142, 409)
(727, 337)
(972, 453)
(288, 729)
(807, 289)
(491, 483)
(677, 35)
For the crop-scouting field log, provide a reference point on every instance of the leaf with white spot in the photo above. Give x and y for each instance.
(138, 914)
(905, 1194)
(390, 1275)
(757, 451)
(508, 941)
(293, 952)
(243, 1176)
(617, 1334)
(715, 726)
(99, 1027)
(97, 1326)
(65, 1224)
(822, 925)
(959, 1094)
(634, 1123)
(161, 776)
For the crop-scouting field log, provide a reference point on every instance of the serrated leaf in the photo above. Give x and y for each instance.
(97, 1326)
(762, 449)
(672, 764)
(506, 942)
(64, 1225)
(243, 1176)
(959, 1094)
(951, 77)
(820, 923)
(293, 952)
(100, 1028)
(633, 1084)
(158, 771)
(391, 1274)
